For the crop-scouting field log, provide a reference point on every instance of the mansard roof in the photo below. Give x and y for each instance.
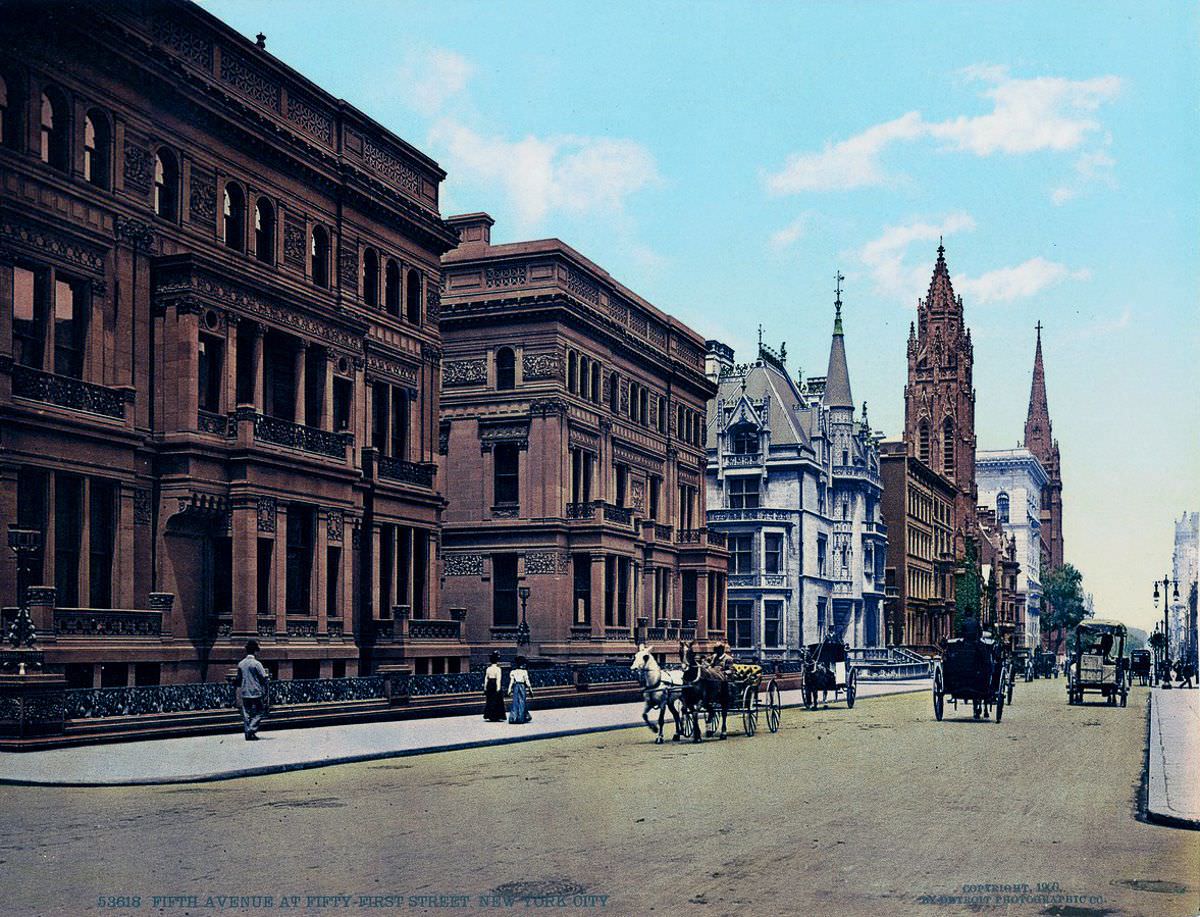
(786, 414)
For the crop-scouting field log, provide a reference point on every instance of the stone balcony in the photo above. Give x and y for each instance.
(275, 431)
(753, 514)
(857, 472)
(68, 392)
(700, 537)
(758, 580)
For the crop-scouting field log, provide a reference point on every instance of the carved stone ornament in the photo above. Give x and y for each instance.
(202, 198)
(142, 508)
(546, 563)
(464, 372)
(266, 511)
(309, 116)
(535, 366)
(249, 80)
(17, 233)
(463, 564)
(348, 265)
(334, 524)
(139, 167)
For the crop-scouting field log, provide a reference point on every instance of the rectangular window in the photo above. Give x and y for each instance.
(114, 674)
(387, 569)
(146, 674)
(33, 500)
(506, 474)
(399, 423)
(655, 493)
(689, 598)
(610, 591)
(222, 586)
(68, 518)
(211, 362)
(315, 361)
(263, 580)
(299, 559)
(773, 552)
(581, 566)
(404, 565)
(821, 606)
(247, 340)
(102, 533)
(741, 554)
(504, 590)
(821, 541)
(743, 493)
(333, 582)
(420, 561)
(343, 395)
(29, 317)
(772, 623)
(281, 373)
(379, 415)
(622, 473)
(739, 625)
(70, 327)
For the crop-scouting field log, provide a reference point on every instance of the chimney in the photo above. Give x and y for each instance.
(718, 357)
(473, 228)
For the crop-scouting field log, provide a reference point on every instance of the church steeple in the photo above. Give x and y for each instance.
(1038, 438)
(837, 379)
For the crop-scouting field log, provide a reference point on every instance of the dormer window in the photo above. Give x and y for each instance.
(743, 440)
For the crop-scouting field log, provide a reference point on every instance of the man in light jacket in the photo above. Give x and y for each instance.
(252, 689)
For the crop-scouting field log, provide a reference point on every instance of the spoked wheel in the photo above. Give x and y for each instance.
(939, 694)
(851, 689)
(750, 710)
(999, 705)
(712, 721)
(774, 706)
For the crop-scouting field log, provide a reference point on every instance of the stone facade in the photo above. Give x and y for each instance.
(246, 394)
(573, 458)
(794, 485)
(1185, 563)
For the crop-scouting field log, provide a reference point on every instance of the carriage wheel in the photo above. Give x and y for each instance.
(774, 706)
(939, 694)
(851, 689)
(999, 704)
(713, 720)
(750, 710)
(1010, 690)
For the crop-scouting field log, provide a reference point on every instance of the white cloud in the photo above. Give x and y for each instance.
(1017, 282)
(790, 234)
(1028, 115)
(1095, 167)
(1062, 194)
(1106, 326)
(646, 257)
(579, 175)
(429, 79)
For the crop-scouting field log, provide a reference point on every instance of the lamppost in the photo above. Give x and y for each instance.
(1166, 582)
(25, 543)
(523, 627)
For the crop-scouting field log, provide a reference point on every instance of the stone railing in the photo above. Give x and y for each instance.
(688, 632)
(875, 528)
(67, 392)
(619, 514)
(663, 532)
(733, 460)
(504, 634)
(419, 474)
(880, 663)
(618, 633)
(700, 536)
(581, 632)
(429, 629)
(91, 622)
(280, 432)
(858, 472)
(208, 422)
(757, 514)
(757, 579)
(301, 627)
(580, 511)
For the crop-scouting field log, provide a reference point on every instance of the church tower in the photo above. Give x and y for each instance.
(939, 399)
(1039, 440)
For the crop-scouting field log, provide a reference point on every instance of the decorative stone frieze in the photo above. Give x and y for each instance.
(463, 564)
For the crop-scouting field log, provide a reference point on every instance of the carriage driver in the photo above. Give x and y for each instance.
(720, 664)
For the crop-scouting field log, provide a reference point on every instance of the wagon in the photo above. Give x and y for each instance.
(1098, 663)
(1045, 665)
(827, 668)
(974, 672)
(750, 694)
(1139, 666)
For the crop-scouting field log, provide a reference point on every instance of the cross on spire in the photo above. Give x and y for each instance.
(1039, 329)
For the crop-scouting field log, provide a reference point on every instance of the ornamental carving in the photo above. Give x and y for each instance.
(249, 80)
(383, 366)
(334, 524)
(637, 494)
(463, 564)
(348, 265)
(15, 231)
(433, 300)
(305, 113)
(266, 512)
(431, 353)
(536, 366)
(293, 240)
(135, 233)
(546, 563)
(689, 354)
(545, 407)
(658, 336)
(579, 285)
(389, 166)
(624, 397)
(142, 509)
(637, 459)
(515, 433)
(192, 47)
(509, 276)
(464, 372)
(583, 438)
(202, 198)
(608, 380)
(139, 167)
(637, 323)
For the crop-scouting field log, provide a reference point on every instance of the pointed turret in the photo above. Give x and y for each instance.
(837, 380)
(940, 297)
(1038, 438)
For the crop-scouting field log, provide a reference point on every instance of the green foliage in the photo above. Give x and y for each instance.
(1062, 602)
(1155, 641)
(968, 587)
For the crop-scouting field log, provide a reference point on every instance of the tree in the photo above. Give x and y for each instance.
(968, 587)
(1063, 602)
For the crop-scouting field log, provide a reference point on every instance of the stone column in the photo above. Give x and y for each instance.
(182, 359)
(279, 562)
(328, 418)
(319, 572)
(433, 580)
(374, 535)
(259, 368)
(245, 566)
(597, 590)
(123, 550)
(231, 352)
(301, 414)
(41, 601)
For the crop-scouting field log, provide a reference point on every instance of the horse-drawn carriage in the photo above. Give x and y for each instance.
(1098, 662)
(1140, 666)
(974, 671)
(1045, 665)
(826, 667)
(748, 693)
(1021, 663)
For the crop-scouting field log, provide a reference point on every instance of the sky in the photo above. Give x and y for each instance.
(725, 160)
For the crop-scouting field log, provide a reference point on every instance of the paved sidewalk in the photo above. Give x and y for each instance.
(222, 757)
(1174, 785)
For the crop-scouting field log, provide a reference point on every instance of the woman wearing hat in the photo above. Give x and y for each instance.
(520, 689)
(493, 697)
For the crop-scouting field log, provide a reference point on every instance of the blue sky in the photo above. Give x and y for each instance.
(725, 159)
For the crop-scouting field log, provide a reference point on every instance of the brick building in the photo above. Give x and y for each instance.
(219, 354)
(573, 419)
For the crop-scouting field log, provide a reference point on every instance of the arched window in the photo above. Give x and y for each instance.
(97, 141)
(597, 395)
(572, 372)
(506, 369)
(370, 277)
(643, 406)
(235, 217)
(264, 231)
(166, 185)
(584, 376)
(633, 398)
(614, 393)
(948, 447)
(54, 130)
(412, 297)
(923, 441)
(391, 287)
(743, 440)
(1002, 507)
(319, 254)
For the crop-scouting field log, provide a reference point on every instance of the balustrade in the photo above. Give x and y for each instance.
(418, 473)
(89, 622)
(67, 392)
(281, 432)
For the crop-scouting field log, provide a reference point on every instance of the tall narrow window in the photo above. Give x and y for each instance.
(299, 559)
(741, 554)
(262, 591)
(412, 299)
(97, 142)
(391, 288)
(54, 130)
(948, 447)
(597, 395)
(743, 440)
(102, 517)
(584, 376)
(744, 492)
(379, 415)
(655, 486)
(504, 590)
(264, 231)
(643, 407)
(581, 576)
(773, 552)
(29, 317)
(166, 185)
(370, 277)
(622, 475)
(772, 624)
(506, 477)
(70, 327)
(1002, 507)
(333, 582)
(234, 211)
(399, 439)
(923, 441)
(319, 256)
(33, 501)
(68, 529)
(506, 369)
(343, 394)
(614, 393)
(6, 119)
(690, 594)
(572, 371)
(209, 366)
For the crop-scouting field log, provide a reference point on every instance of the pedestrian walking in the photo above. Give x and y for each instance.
(252, 687)
(520, 690)
(493, 697)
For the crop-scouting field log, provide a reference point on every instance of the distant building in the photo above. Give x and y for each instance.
(918, 509)
(1003, 606)
(1185, 565)
(794, 484)
(1010, 484)
(1039, 440)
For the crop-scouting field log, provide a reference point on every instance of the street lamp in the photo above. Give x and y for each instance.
(523, 627)
(25, 543)
(1167, 583)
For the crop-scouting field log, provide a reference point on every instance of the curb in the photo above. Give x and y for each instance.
(1156, 767)
(283, 768)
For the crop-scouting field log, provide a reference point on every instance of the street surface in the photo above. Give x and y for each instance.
(878, 810)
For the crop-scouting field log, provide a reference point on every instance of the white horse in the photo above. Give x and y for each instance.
(661, 690)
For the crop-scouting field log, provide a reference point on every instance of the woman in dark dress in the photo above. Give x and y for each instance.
(493, 703)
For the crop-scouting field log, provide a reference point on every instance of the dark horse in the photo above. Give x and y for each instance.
(702, 693)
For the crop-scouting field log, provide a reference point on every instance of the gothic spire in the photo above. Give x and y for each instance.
(837, 379)
(940, 297)
(1037, 424)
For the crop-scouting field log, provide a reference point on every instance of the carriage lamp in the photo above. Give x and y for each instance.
(1167, 584)
(523, 627)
